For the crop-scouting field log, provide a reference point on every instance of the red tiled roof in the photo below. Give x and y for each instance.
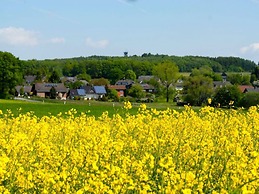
(117, 87)
(243, 87)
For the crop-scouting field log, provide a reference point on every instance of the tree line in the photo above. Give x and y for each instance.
(115, 68)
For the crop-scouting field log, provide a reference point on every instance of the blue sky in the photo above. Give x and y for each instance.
(47, 29)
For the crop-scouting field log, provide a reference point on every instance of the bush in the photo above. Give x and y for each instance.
(249, 99)
(226, 95)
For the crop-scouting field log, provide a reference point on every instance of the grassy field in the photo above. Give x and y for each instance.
(53, 107)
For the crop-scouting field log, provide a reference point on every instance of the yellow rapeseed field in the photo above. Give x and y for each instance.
(210, 151)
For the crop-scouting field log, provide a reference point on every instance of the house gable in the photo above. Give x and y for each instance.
(43, 89)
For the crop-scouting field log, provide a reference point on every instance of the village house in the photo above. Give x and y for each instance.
(88, 92)
(145, 78)
(126, 82)
(248, 90)
(119, 88)
(148, 88)
(27, 90)
(43, 89)
(242, 88)
(29, 79)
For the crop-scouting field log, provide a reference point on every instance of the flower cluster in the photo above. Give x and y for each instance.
(127, 105)
(210, 151)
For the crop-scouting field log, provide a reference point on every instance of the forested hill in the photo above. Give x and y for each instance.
(112, 67)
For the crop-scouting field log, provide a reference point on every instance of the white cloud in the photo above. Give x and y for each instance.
(97, 44)
(18, 36)
(252, 48)
(57, 40)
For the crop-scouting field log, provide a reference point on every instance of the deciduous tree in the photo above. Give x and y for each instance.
(10, 73)
(53, 93)
(54, 78)
(136, 91)
(197, 89)
(168, 73)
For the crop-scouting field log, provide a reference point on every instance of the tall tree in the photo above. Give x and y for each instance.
(130, 75)
(54, 77)
(255, 74)
(197, 89)
(53, 93)
(168, 73)
(10, 73)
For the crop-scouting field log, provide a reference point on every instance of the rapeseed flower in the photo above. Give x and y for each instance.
(209, 151)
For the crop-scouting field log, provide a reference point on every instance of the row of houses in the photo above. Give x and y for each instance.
(44, 90)
(88, 92)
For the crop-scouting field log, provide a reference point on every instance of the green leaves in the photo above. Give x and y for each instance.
(10, 73)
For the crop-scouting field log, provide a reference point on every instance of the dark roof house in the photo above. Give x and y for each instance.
(88, 92)
(77, 93)
(145, 78)
(126, 82)
(247, 90)
(148, 88)
(26, 89)
(220, 84)
(29, 79)
(43, 89)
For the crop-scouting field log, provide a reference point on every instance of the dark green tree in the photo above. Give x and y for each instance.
(53, 93)
(10, 73)
(39, 76)
(116, 74)
(54, 77)
(225, 95)
(249, 99)
(168, 73)
(255, 74)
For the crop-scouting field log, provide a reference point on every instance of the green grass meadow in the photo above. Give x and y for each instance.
(45, 107)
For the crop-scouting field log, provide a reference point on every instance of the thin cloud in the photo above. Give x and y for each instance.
(252, 48)
(96, 44)
(54, 15)
(57, 40)
(127, 2)
(18, 36)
